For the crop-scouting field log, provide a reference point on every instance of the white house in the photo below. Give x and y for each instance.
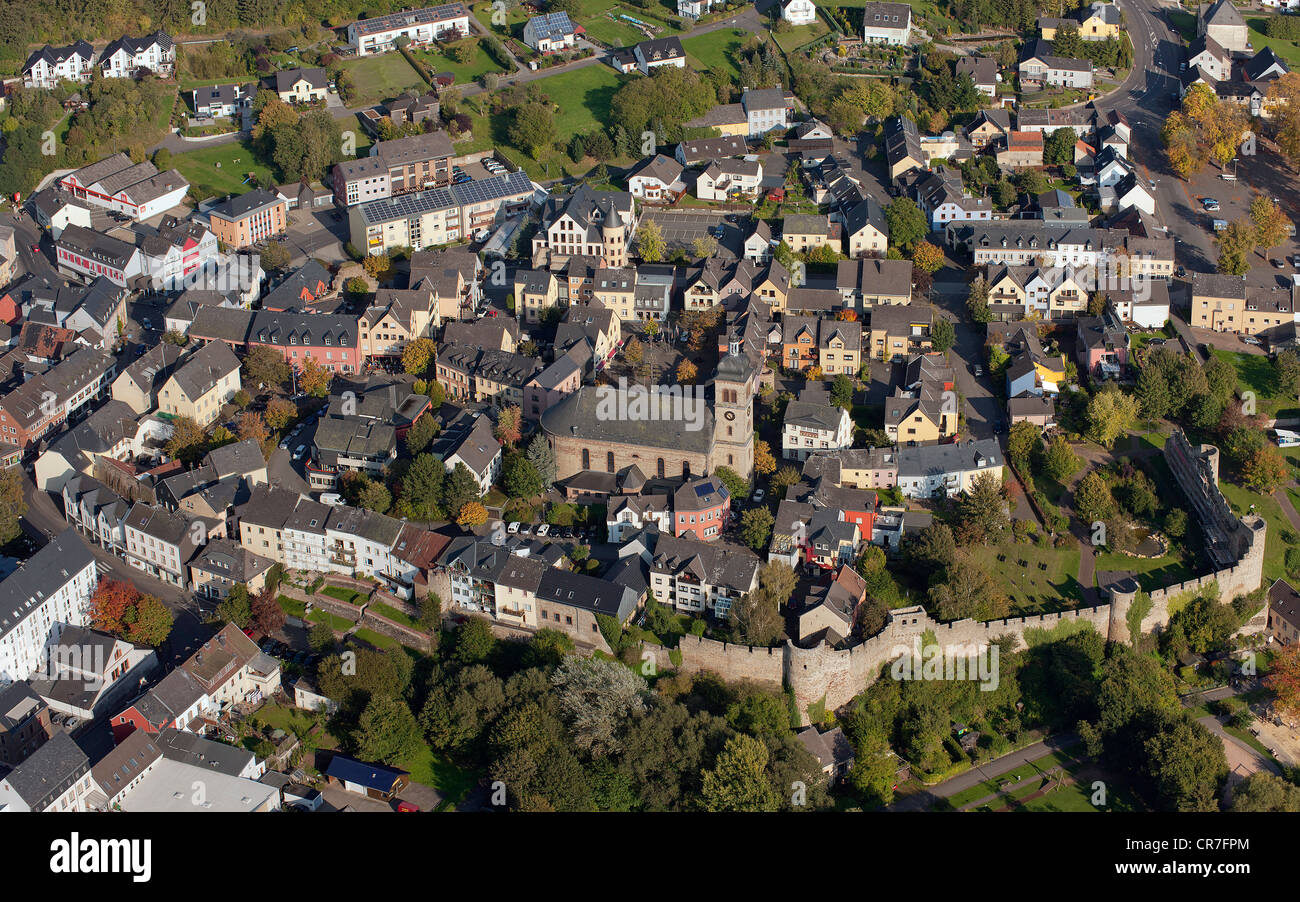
(798, 12)
(419, 26)
(693, 9)
(127, 57)
(887, 23)
(659, 52)
(48, 592)
(723, 179)
(658, 179)
(811, 425)
(551, 33)
(926, 470)
(48, 66)
(765, 110)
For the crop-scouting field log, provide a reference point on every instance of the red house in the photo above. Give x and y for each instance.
(701, 508)
(176, 701)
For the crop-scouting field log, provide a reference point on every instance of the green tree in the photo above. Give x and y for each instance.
(417, 355)
(421, 433)
(982, 510)
(1093, 501)
(907, 225)
(650, 241)
(1024, 441)
(1060, 462)
(943, 335)
(542, 458)
(521, 478)
(474, 641)
(236, 607)
(1111, 414)
(756, 527)
(532, 128)
(387, 731)
(738, 779)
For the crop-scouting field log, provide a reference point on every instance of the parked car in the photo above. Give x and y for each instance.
(525, 529)
(284, 445)
(299, 452)
(979, 370)
(543, 529)
(1251, 340)
(759, 495)
(513, 528)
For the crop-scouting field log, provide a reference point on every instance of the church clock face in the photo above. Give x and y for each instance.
(730, 414)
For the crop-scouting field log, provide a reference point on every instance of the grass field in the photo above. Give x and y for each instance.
(1151, 573)
(292, 606)
(1287, 50)
(236, 161)
(336, 622)
(378, 640)
(1275, 547)
(1185, 24)
(392, 613)
(716, 50)
(464, 72)
(800, 35)
(383, 77)
(582, 97)
(431, 769)
(351, 596)
(1047, 581)
(1255, 372)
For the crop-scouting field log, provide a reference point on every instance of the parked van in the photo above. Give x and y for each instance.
(331, 498)
(1285, 438)
(1228, 176)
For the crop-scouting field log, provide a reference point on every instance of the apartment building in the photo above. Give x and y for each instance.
(438, 216)
(697, 577)
(394, 168)
(129, 57)
(46, 593)
(240, 222)
(419, 26)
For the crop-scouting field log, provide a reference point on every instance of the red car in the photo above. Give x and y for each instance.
(36, 248)
(407, 806)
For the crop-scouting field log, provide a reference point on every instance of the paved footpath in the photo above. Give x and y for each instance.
(926, 799)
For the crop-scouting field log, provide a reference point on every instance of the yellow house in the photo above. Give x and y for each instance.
(202, 384)
(1218, 302)
(774, 287)
(616, 289)
(839, 347)
(397, 318)
(536, 291)
(897, 331)
(805, 231)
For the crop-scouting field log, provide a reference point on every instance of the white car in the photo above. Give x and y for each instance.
(543, 529)
(759, 495)
(1250, 340)
(513, 528)
(299, 452)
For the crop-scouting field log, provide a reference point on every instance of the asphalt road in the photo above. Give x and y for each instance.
(44, 519)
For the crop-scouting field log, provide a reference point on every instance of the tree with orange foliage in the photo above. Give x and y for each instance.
(686, 373)
(847, 316)
(509, 426)
(471, 515)
(112, 604)
(1284, 680)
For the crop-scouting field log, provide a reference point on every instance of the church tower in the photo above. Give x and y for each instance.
(734, 384)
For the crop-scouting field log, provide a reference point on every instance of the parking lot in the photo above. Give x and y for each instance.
(1191, 223)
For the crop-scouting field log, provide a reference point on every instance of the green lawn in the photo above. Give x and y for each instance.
(429, 768)
(582, 97)
(1151, 573)
(464, 72)
(222, 169)
(342, 624)
(292, 606)
(1240, 500)
(351, 596)
(800, 35)
(1287, 50)
(1047, 581)
(1257, 373)
(1185, 24)
(378, 640)
(716, 51)
(384, 76)
(393, 614)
